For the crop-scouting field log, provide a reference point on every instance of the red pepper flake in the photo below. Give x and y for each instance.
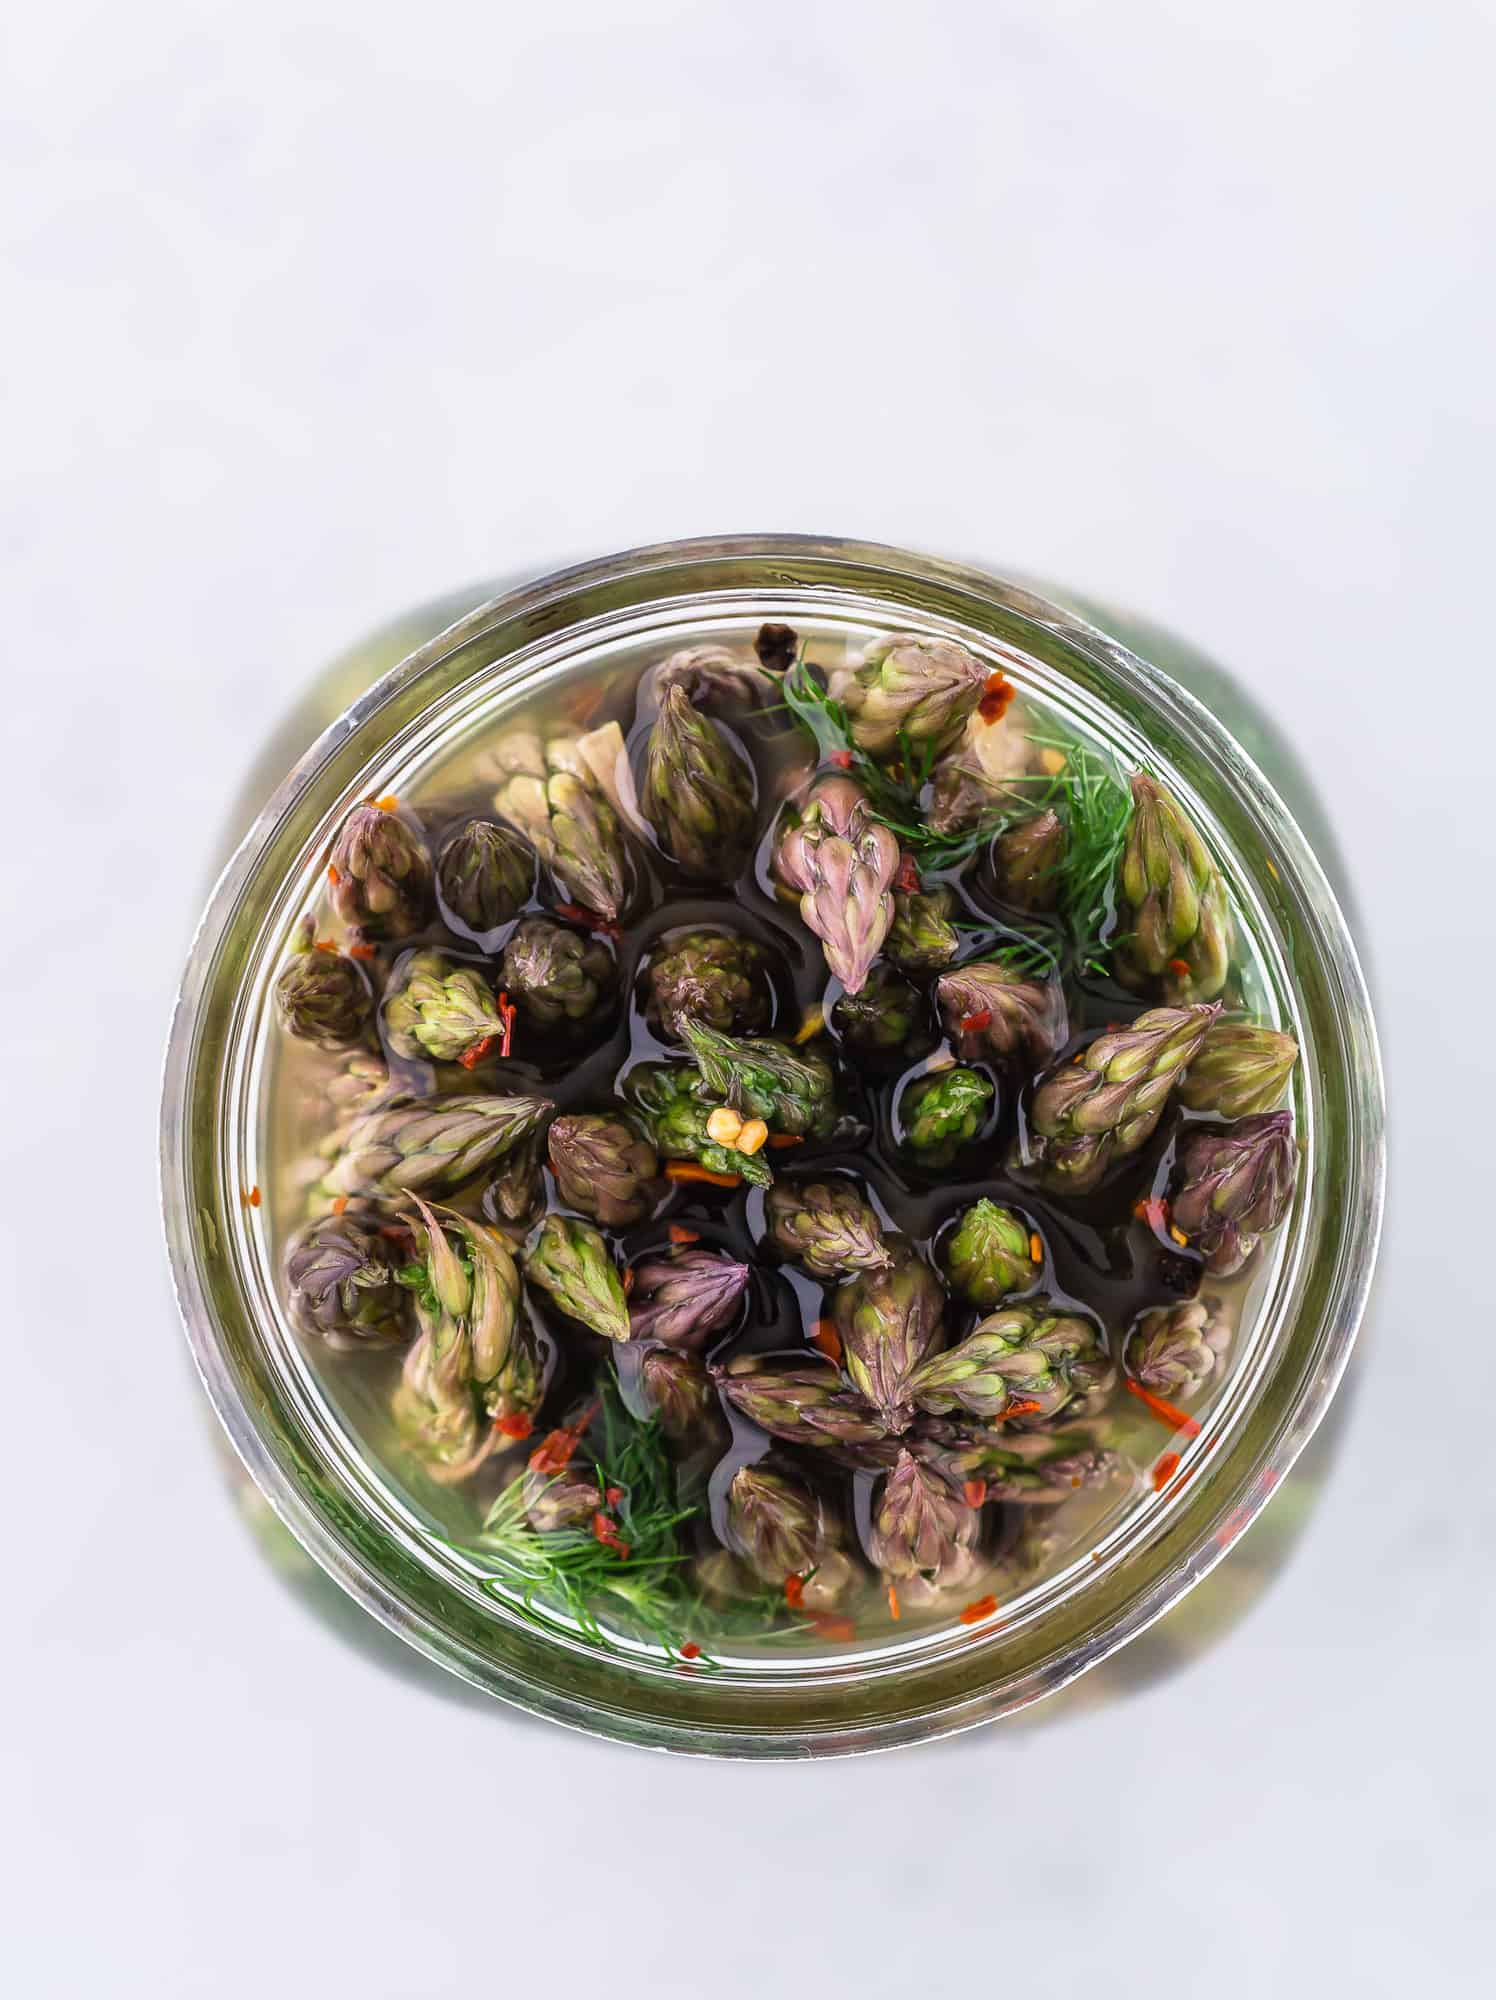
(893, 1603)
(977, 1610)
(332, 875)
(688, 1170)
(606, 1532)
(1036, 1247)
(825, 1336)
(613, 1495)
(1024, 1407)
(1154, 1211)
(360, 951)
(627, 1281)
(690, 1651)
(839, 1629)
(680, 1234)
(516, 1426)
(340, 1204)
(998, 692)
(470, 1058)
(1164, 1471)
(794, 1592)
(589, 919)
(907, 879)
(978, 1023)
(780, 1140)
(326, 944)
(387, 803)
(974, 1492)
(1176, 1419)
(506, 1034)
(553, 1453)
(842, 759)
(251, 1196)
(1179, 967)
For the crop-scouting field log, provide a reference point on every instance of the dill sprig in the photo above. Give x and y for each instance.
(1096, 808)
(568, 1572)
(1086, 792)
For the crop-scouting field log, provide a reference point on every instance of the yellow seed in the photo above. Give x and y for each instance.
(724, 1125)
(1053, 761)
(814, 1024)
(752, 1136)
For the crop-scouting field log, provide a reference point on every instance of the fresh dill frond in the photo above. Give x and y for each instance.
(568, 1573)
(1086, 792)
(1096, 807)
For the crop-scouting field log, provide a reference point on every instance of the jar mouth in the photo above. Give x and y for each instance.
(344, 1514)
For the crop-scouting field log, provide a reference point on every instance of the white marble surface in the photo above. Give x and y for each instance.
(310, 311)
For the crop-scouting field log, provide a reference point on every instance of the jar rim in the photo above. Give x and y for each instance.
(996, 1674)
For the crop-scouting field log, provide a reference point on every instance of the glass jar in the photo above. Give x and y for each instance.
(306, 1466)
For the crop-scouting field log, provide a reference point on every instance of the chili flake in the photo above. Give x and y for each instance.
(332, 875)
(606, 1532)
(387, 803)
(907, 879)
(1179, 967)
(251, 1196)
(825, 1336)
(613, 1495)
(680, 1234)
(794, 1592)
(1179, 1420)
(977, 1023)
(893, 1603)
(1036, 1247)
(340, 1204)
(470, 1058)
(1164, 1471)
(1154, 1210)
(842, 759)
(977, 1610)
(690, 1651)
(360, 951)
(974, 1492)
(999, 692)
(517, 1425)
(840, 1629)
(553, 1453)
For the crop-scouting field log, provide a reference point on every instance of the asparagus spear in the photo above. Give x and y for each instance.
(907, 689)
(1234, 1186)
(684, 1298)
(1241, 1069)
(1108, 1102)
(603, 1168)
(555, 975)
(380, 874)
(697, 792)
(989, 1254)
(841, 862)
(571, 1261)
(1173, 905)
(826, 1226)
(709, 976)
(321, 996)
(433, 1145)
(486, 875)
